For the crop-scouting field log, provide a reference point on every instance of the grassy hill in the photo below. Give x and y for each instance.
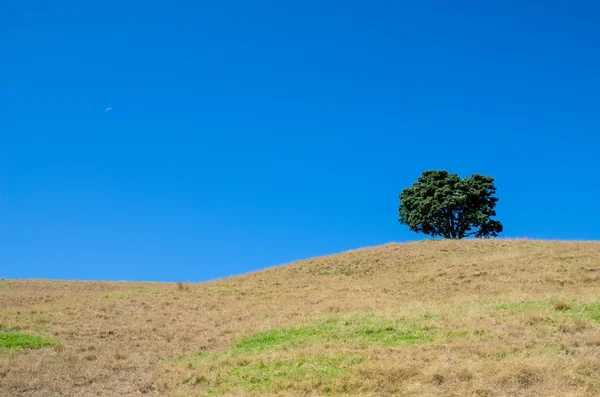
(432, 318)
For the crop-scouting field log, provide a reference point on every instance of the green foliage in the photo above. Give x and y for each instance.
(23, 341)
(442, 204)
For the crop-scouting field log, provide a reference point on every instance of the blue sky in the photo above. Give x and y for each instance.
(244, 135)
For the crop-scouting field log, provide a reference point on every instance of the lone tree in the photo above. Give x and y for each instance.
(442, 204)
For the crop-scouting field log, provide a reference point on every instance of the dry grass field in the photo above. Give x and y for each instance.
(431, 318)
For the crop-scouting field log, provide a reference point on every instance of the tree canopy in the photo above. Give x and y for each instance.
(443, 204)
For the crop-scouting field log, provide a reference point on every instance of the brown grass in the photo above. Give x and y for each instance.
(433, 318)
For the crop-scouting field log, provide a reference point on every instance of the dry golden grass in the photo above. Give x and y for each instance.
(433, 318)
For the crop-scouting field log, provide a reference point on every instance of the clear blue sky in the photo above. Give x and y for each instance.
(248, 134)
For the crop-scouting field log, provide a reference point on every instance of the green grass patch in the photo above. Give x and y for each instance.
(260, 375)
(555, 309)
(304, 359)
(351, 331)
(23, 341)
(591, 311)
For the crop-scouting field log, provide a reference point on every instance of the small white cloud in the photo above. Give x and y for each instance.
(107, 110)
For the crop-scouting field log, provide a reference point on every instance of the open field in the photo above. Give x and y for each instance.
(432, 318)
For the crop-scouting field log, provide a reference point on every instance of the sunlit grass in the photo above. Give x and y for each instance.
(460, 318)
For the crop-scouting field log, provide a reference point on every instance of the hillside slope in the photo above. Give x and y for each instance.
(432, 318)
